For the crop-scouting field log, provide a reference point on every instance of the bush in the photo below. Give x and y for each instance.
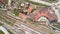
(1, 32)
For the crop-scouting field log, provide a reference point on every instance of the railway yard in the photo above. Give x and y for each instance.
(30, 16)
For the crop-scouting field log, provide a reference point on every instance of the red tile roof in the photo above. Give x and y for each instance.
(2, 1)
(22, 15)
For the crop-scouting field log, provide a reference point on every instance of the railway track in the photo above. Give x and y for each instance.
(5, 16)
(19, 22)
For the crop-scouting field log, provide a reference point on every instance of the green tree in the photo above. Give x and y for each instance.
(1, 32)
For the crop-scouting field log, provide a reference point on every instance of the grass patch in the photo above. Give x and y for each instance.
(2, 11)
(0, 18)
(16, 12)
(9, 32)
(36, 3)
(6, 1)
(51, 1)
(0, 24)
(9, 23)
(1, 32)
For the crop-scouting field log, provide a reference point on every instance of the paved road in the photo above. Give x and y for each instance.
(4, 30)
(56, 10)
(57, 13)
(8, 27)
(42, 2)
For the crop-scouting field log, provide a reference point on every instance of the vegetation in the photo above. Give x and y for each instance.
(7, 22)
(0, 24)
(57, 25)
(36, 3)
(9, 32)
(1, 32)
(2, 19)
(16, 12)
(1, 11)
(52, 1)
(5, 1)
